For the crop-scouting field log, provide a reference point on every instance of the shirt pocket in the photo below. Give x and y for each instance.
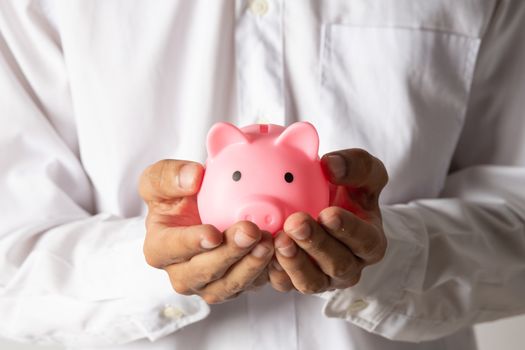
(400, 93)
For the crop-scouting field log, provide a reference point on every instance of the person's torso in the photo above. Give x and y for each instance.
(148, 79)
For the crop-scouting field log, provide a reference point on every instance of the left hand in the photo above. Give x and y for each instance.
(316, 256)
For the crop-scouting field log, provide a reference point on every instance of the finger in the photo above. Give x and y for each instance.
(241, 275)
(261, 280)
(170, 179)
(333, 257)
(306, 277)
(279, 279)
(177, 244)
(209, 266)
(180, 212)
(366, 240)
(355, 168)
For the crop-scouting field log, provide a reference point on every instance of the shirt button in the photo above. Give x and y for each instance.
(172, 312)
(357, 305)
(259, 7)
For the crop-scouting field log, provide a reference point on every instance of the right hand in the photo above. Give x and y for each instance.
(199, 259)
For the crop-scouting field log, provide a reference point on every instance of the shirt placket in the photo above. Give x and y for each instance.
(260, 92)
(259, 61)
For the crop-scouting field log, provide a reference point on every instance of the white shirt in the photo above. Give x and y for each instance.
(92, 92)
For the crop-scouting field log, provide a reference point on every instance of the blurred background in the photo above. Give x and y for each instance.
(507, 334)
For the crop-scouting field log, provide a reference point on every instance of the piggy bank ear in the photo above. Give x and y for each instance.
(222, 135)
(303, 136)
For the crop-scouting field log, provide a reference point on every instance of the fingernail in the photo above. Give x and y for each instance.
(243, 240)
(301, 232)
(260, 251)
(333, 222)
(288, 251)
(207, 244)
(187, 175)
(337, 165)
(277, 266)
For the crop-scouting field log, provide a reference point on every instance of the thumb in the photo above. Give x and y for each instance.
(355, 168)
(170, 179)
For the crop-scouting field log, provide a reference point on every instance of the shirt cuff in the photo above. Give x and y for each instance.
(150, 307)
(370, 303)
(165, 315)
(101, 293)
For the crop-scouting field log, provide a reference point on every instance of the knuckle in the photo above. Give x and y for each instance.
(150, 256)
(207, 276)
(355, 279)
(297, 266)
(282, 286)
(253, 268)
(377, 254)
(152, 261)
(280, 281)
(341, 271)
(212, 299)
(374, 249)
(261, 280)
(156, 172)
(232, 255)
(198, 232)
(180, 287)
(166, 175)
(233, 287)
(350, 223)
(318, 244)
(368, 246)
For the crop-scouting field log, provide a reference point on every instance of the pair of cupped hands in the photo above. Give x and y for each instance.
(311, 255)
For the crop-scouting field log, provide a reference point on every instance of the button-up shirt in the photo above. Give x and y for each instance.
(92, 92)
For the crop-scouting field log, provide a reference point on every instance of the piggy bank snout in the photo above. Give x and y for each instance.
(266, 213)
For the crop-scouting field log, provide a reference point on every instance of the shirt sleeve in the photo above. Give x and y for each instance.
(459, 259)
(68, 274)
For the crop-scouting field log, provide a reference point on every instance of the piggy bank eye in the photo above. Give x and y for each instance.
(236, 176)
(288, 177)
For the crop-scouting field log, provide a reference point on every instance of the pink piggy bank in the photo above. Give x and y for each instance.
(261, 173)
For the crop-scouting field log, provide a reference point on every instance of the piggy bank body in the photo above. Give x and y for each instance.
(261, 173)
